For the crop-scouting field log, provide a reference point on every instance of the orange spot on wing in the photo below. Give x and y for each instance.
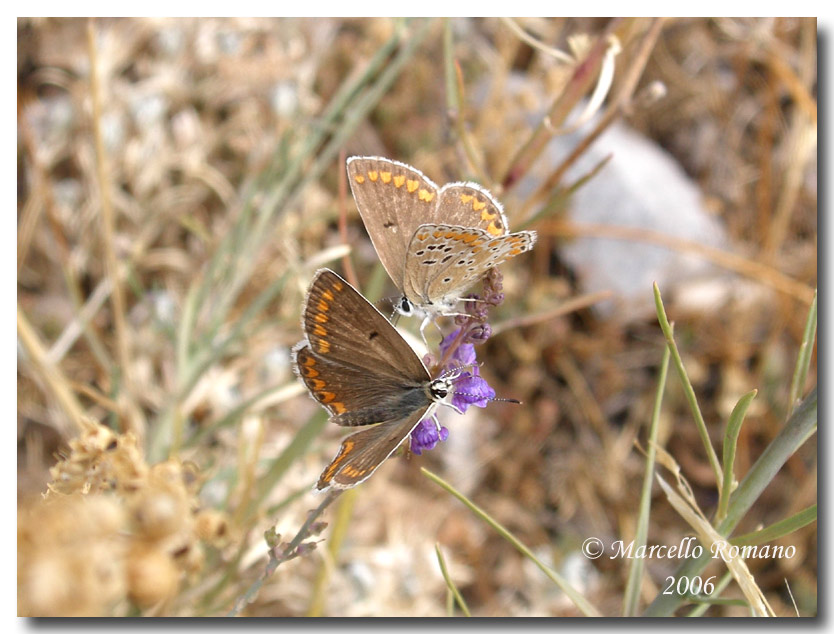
(339, 407)
(317, 383)
(466, 198)
(485, 215)
(373, 175)
(353, 472)
(324, 346)
(359, 178)
(318, 330)
(493, 229)
(328, 295)
(310, 373)
(385, 176)
(478, 205)
(411, 186)
(398, 181)
(333, 467)
(337, 286)
(425, 195)
(321, 318)
(323, 306)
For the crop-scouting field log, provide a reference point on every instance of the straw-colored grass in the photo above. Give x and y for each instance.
(180, 181)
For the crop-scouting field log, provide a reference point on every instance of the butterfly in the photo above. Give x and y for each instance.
(434, 242)
(363, 372)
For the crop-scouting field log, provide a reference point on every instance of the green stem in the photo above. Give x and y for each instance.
(730, 440)
(635, 572)
(803, 359)
(688, 389)
(578, 600)
(777, 529)
(449, 583)
(797, 430)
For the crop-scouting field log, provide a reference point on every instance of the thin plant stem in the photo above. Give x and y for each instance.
(730, 440)
(456, 100)
(570, 306)
(579, 601)
(778, 529)
(133, 414)
(297, 447)
(803, 359)
(449, 583)
(762, 273)
(583, 77)
(334, 544)
(52, 376)
(799, 427)
(43, 199)
(615, 110)
(277, 557)
(560, 196)
(688, 389)
(347, 263)
(535, 43)
(635, 572)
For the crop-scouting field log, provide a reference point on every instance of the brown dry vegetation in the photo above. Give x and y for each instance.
(171, 215)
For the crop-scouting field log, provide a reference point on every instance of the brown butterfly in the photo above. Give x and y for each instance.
(362, 371)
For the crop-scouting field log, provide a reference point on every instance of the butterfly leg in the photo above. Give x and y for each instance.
(436, 422)
(426, 321)
(451, 406)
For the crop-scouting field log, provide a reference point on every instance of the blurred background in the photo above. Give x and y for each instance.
(180, 181)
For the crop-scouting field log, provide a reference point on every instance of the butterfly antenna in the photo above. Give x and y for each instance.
(457, 370)
(491, 400)
(389, 301)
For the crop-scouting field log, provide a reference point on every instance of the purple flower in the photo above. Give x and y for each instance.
(464, 354)
(426, 435)
(471, 389)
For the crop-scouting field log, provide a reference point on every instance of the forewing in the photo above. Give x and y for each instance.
(362, 453)
(354, 396)
(393, 199)
(345, 328)
(470, 205)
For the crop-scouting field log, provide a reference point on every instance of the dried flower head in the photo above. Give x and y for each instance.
(110, 529)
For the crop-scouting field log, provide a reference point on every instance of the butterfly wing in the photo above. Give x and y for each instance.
(469, 205)
(345, 328)
(449, 259)
(393, 199)
(361, 453)
(435, 248)
(354, 396)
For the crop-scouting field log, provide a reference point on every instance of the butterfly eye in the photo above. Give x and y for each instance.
(406, 307)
